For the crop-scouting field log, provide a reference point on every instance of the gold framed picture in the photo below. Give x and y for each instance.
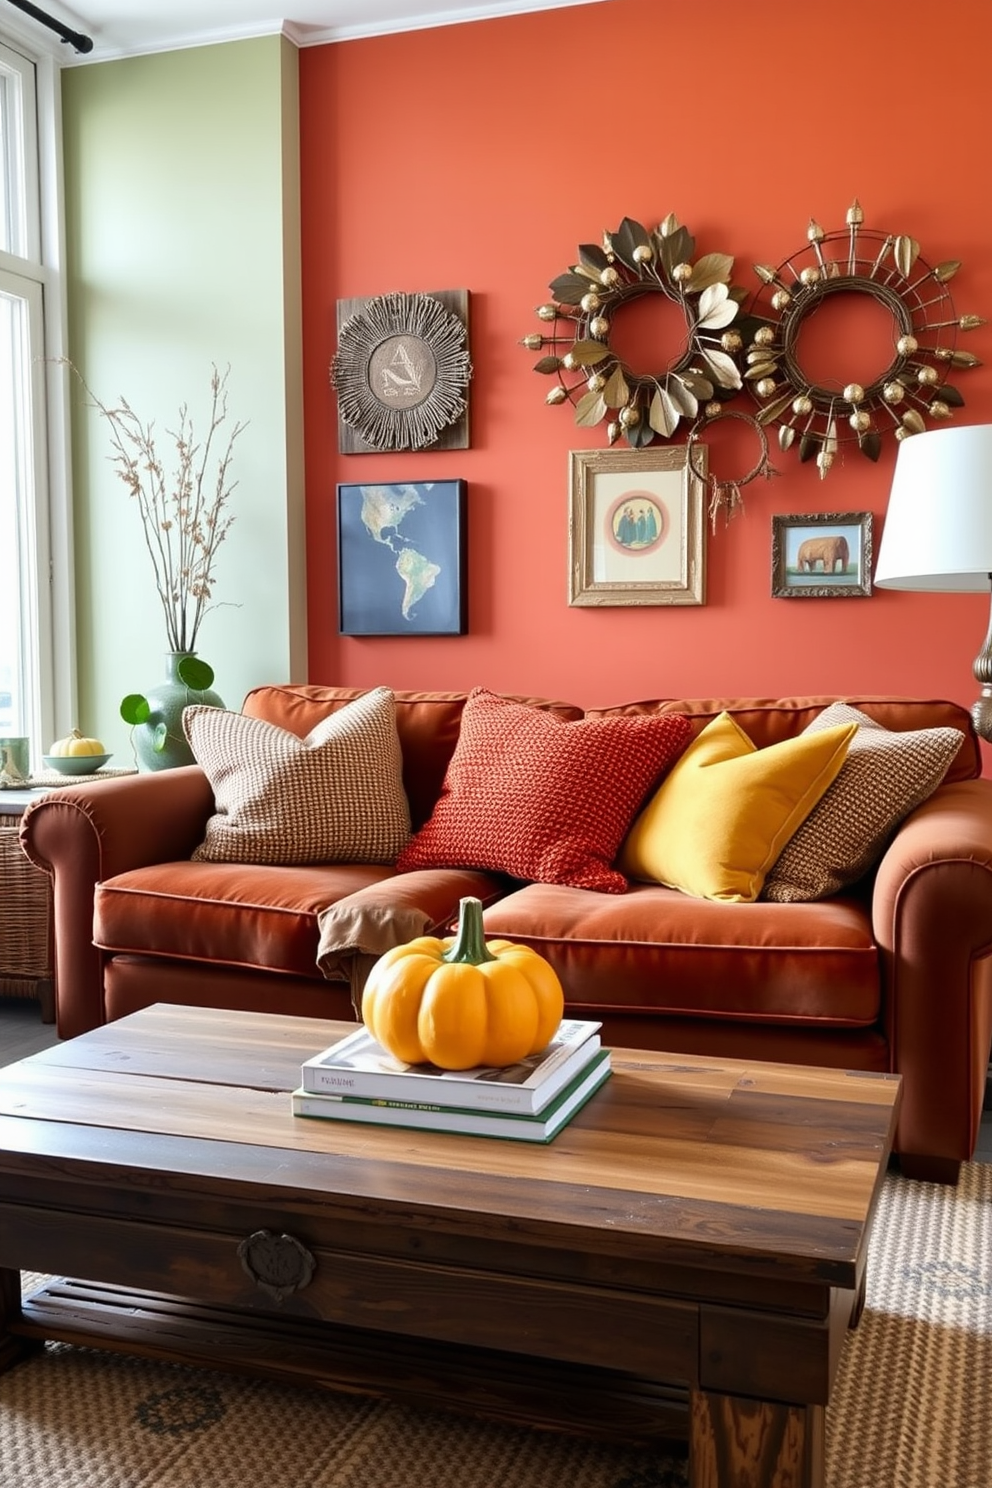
(636, 532)
(825, 556)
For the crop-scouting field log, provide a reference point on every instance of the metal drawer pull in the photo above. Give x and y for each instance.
(277, 1264)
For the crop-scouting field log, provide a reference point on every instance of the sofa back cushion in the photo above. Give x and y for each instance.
(428, 724)
(769, 720)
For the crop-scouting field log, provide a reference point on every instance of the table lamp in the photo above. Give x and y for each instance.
(938, 528)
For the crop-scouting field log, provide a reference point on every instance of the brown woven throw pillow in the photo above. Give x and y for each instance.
(885, 776)
(334, 797)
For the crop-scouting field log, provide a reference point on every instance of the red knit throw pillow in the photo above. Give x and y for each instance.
(537, 798)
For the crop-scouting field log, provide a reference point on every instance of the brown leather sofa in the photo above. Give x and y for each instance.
(893, 976)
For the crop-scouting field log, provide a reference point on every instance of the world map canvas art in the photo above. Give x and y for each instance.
(401, 558)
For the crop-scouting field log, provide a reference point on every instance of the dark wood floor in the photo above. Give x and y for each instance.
(22, 1033)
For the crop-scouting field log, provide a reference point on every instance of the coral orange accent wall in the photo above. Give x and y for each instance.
(480, 155)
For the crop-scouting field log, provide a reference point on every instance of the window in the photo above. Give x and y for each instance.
(30, 336)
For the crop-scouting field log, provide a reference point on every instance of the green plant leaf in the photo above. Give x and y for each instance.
(197, 675)
(135, 709)
(159, 736)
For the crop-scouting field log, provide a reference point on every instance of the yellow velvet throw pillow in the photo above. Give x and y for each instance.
(719, 820)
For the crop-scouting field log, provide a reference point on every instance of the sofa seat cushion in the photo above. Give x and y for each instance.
(235, 914)
(265, 918)
(656, 948)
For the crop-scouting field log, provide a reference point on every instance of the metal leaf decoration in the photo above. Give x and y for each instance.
(905, 253)
(712, 268)
(682, 396)
(616, 392)
(723, 369)
(568, 289)
(590, 410)
(588, 353)
(576, 326)
(593, 257)
(663, 414)
(716, 309)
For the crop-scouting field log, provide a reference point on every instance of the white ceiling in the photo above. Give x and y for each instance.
(121, 28)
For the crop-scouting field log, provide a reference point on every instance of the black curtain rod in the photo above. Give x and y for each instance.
(75, 38)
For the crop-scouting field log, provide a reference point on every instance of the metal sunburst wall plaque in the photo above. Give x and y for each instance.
(401, 372)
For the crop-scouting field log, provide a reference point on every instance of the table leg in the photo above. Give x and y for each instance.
(740, 1443)
(11, 1348)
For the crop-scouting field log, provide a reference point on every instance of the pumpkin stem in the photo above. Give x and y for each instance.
(470, 940)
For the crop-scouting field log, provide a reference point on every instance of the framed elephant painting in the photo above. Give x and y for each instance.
(827, 556)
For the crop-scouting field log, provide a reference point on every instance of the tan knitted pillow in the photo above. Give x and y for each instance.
(334, 797)
(886, 776)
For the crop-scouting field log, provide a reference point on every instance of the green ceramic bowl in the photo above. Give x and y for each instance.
(75, 764)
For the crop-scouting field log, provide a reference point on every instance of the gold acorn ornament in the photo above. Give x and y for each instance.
(889, 270)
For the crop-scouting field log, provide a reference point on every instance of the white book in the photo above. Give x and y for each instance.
(357, 1065)
(423, 1117)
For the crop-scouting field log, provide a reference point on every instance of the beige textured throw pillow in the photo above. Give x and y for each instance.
(334, 797)
(886, 776)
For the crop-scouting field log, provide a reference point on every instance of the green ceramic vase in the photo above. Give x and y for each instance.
(156, 717)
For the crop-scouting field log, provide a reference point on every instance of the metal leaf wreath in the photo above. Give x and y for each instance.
(889, 269)
(401, 370)
(633, 262)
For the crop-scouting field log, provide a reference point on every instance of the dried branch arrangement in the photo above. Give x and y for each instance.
(184, 512)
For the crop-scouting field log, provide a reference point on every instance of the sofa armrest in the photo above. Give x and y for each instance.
(84, 833)
(932, 919)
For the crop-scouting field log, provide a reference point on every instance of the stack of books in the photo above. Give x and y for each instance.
(356, 1080)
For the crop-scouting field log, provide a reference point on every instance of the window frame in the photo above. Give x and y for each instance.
(41, 271)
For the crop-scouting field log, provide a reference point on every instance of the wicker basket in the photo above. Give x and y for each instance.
(25, 921)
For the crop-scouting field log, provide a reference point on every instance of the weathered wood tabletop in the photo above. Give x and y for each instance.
(698, 1232)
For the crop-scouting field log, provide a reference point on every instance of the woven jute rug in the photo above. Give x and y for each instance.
(912, 1406)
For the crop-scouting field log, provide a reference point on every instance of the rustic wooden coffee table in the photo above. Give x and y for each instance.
(687, 1253)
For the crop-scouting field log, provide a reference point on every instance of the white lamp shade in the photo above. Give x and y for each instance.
(938, 528)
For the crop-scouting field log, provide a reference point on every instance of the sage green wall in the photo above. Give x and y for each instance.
(182, 211)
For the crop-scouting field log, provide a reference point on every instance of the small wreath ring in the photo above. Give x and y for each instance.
(725, 495)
